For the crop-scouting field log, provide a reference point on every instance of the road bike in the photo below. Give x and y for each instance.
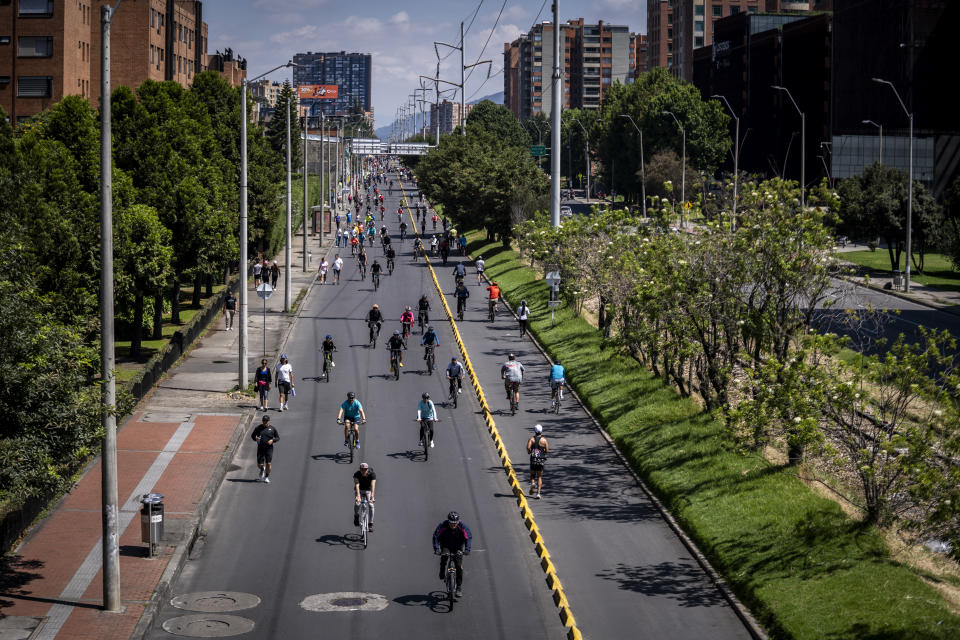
(406, 330)
(514, 391)
(374, 332)
(353, 442)
(327, 365)
(416, 253)
(422, 320)
(455, 383)
(364, 516)
(461, 304)
(395, 363)
(450, 576)
(426, 436)
(557, 398)
(492, 310)
(390, 266)
(376, 280)
(430, 358)
(363, 271)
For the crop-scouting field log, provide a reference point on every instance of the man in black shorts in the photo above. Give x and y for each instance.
(364, 481)
(265, 435)
(538, 448)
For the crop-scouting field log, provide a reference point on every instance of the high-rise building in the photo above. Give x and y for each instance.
(594, 57)
(639, 54)
(659, 34)
(51, 48)
(265, 91)
(447, 116)
(351, 72)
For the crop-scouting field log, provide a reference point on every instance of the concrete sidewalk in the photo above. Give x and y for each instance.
(179, 442)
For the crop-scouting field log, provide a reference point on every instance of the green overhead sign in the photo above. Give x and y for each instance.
(538, 150)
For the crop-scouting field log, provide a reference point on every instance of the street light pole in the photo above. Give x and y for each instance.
(683, 164)
(305, 192)
(880, 127)
(288, 249)
(736, 155)
(110, 517)
(803, 145)
(586, 139)
(643, 175)
(556, 105)
(906, 271)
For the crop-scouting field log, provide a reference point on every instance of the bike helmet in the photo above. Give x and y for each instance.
(351, 395)
(429, 328)
(364, 465)
(425, 396)
(538, 428)
(408, 308)
(453, 518)
(511, 357)
(329, 337)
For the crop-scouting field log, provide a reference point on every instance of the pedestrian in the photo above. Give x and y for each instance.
(274, 274)
(324, 265)
(337, 265)
(336, 219)
(229, 309)
(364, 482)
(538, 448)
(263, 380)
(339, 234)
(284, 379)
(265, 435)
(463, 244)
(257, 272)
(434, 219)
(523, 314)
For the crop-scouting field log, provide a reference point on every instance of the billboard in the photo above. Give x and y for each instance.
(317, 91)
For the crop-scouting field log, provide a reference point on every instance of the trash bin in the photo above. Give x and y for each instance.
(151, 520)
(898, 279)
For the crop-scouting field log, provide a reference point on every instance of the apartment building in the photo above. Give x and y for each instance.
(265, 91)
(51, 48)
(594, 57)
(639, 53)
(446, 115)
(351, 72)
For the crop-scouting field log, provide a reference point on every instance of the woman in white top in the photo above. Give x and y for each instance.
(284, 380)
(523, 314)
(324, 265)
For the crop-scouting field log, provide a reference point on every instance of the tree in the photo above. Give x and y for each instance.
(277, 128)
(498, 122)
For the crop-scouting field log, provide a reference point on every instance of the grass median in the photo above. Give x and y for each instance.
(938, 270)
(803, 567)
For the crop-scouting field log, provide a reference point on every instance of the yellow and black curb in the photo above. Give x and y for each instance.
(550, 572)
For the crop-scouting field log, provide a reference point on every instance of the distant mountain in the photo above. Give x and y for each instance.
(496, 98)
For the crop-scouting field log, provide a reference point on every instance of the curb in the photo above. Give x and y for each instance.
(902, 296)
(553, 582)
(182, 551)
(753, 627)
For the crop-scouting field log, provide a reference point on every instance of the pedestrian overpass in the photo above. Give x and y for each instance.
(376, 147)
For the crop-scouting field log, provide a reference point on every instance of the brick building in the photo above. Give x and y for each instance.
(51, 48)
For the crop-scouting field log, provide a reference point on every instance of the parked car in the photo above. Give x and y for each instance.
(566, 212)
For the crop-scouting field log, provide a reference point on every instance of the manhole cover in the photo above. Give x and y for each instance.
(215, 601)
(345, 601)
(206, 625)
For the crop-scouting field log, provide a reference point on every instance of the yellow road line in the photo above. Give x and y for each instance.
(550, 572)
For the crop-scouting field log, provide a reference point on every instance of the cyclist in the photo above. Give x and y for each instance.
(480, 266)
(494, 291)
(512, 374)
(557, 379)
(538, 448)
(429, 339)
(417, 247)
(351, 413)
(362, 262)
(375, 269)
(462, 293)
(399, 213)
(364, 481)
(397, 344)
(327, 346)
(374, 315)
(426, 412)
(455, 375)
(406, 321)
(523, 314)
(371, 234)
(423, 307)
(459, 273)
(391, 257)
(385, 238)
(452, 536)
(434, 243)
(403, 231)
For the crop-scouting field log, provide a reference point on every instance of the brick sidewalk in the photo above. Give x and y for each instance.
(48, 568)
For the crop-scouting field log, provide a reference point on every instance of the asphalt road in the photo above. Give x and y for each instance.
(626, 573)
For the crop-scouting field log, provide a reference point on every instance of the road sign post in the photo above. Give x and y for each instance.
(553, 280)
(264, 291)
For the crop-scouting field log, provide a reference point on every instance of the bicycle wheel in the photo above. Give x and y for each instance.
(376, 282)
(451, 585)
(430, 364)
(396, 369)
(353, 443)
(364, 522)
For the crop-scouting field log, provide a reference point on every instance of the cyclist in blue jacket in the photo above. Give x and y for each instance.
(557, 379)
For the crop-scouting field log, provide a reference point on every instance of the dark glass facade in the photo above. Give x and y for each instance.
(351, 72)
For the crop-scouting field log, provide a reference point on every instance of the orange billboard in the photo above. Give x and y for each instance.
(317, 91)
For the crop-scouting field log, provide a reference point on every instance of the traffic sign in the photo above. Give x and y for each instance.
(538, 150)
(687, 205)
(264, 291)
(553, 303)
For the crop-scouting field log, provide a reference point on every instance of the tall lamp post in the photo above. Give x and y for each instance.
(556, 106)
(643, 175)
(880, 151)
(539, 137)
(803, 144)
(736, 154)
(683, 163)
(906, 271)
(586, 139)
(244, 357)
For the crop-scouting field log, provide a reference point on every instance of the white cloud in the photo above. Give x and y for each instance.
(400, 18)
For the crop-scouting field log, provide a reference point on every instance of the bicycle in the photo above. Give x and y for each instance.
(390, 266)
(492, 310)
(363, 271)
(557, 397)
(422, 320)
(416, 253)
(374, 332)
(514, 391)
(426, 435)
(353, 249)
(395, 363)
(461, 304)
(364, 516)
(376, 280)
(407, 327)
(352, 437)
(454, 386)
(431, 359)
(327, 365)
(450, 577)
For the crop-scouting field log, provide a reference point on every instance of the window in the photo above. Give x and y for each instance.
(35, 46)
(698, 41)
(717, 11)
(4, 39)
(734, 10)
(669, 18)
(153, 18)
(4, 80)
(669, 34)
(36, 8)
(698, 10)
(34, 86)
(151, 54)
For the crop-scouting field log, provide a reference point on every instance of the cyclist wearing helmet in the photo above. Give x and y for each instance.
(327, 346)
(406, 319)
(424, 308)
(426, 416)
(452, 536)
(429, 339)
(512, 374)
(455, 375)
(351, 413)
(396, 343)
(374, 315)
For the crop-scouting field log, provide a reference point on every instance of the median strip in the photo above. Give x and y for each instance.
(550, 572)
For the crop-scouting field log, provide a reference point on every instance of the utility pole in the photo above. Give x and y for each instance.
(110, 541)
(288, 249)
(736, 155)
(463, 87)
(556, 105)
(306, 175)
(643, 174)
(463, 68)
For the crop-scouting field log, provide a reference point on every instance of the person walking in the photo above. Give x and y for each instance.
(266, 436)
(523, 314)
(257, 273)
(263, 380)
(274, 274)
(339, 233)
(364, 482)
(284, 379)
(538, 448)
(229, 309)
(324, 265)
(337, 266)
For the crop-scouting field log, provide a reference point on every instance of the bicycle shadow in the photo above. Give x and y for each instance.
(341, 457)
(436, 601)
(352, 541)
(410, 454)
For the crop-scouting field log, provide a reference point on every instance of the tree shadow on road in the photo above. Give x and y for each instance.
(683, 581)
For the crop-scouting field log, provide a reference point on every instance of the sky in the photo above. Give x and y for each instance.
(399, 35)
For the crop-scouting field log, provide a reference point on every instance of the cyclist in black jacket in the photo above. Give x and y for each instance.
(374, 315)
(452, 536)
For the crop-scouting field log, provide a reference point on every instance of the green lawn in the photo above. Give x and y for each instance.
(803, 567)
(938, 270)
